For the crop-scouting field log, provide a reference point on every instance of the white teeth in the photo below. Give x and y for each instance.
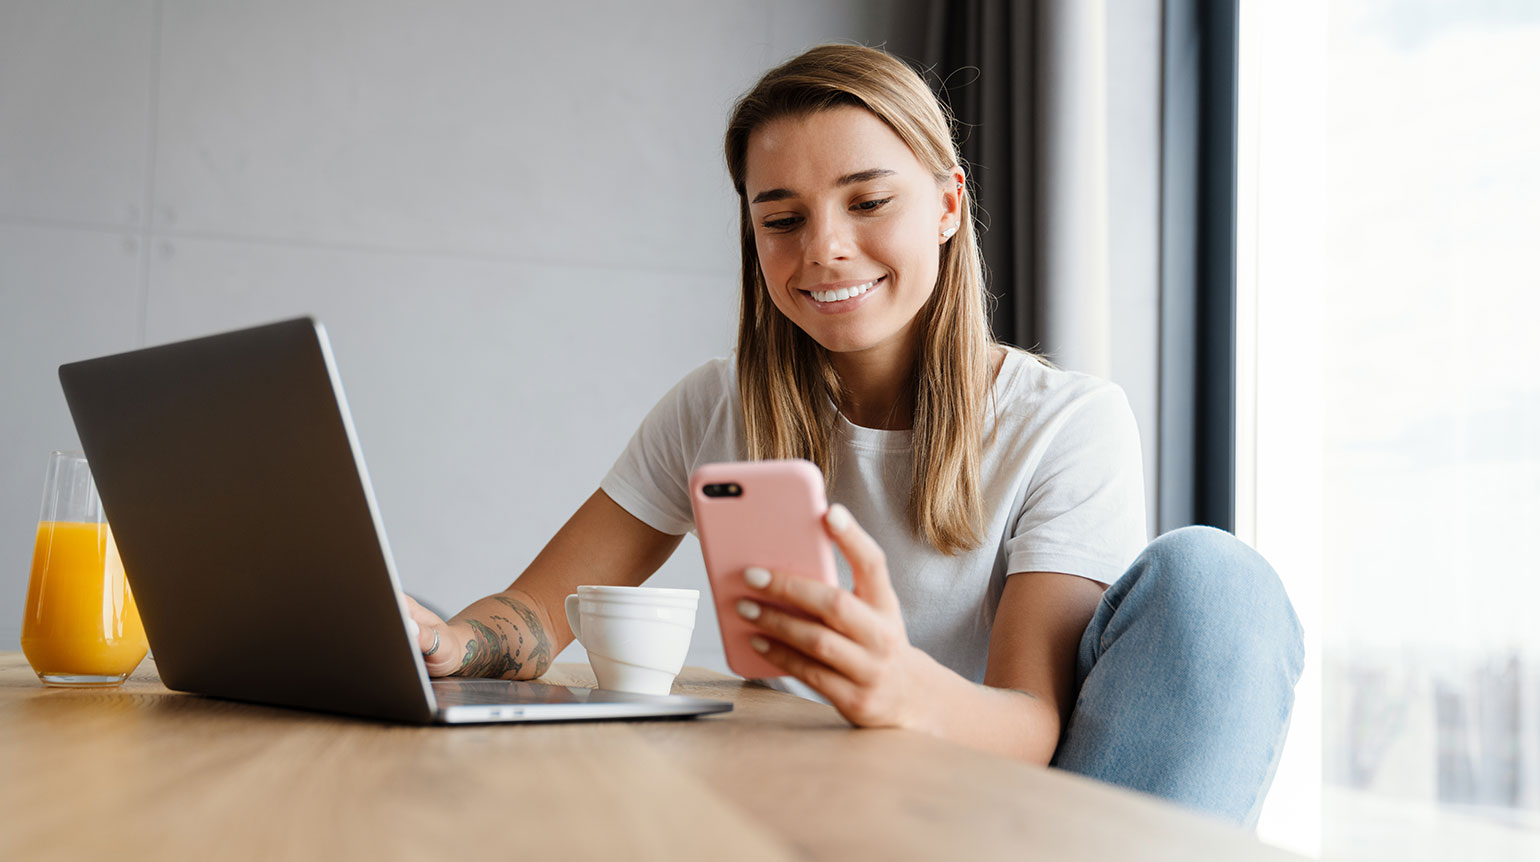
(844, 292)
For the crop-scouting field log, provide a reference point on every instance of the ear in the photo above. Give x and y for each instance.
(954, 191)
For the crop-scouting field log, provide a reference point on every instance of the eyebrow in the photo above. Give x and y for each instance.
(772, 195)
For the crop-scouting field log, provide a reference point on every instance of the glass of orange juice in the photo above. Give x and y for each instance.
(81, 627)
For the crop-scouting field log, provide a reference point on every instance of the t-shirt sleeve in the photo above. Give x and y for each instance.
(651, 478)
(1084, 508)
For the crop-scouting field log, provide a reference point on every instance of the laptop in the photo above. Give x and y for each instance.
(236, 489)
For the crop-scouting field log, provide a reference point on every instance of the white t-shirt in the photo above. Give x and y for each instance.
(1063, 491)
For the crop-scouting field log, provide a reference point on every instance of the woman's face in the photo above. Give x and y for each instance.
(848, 226)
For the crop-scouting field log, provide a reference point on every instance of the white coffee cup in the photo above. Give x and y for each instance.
(636, 637)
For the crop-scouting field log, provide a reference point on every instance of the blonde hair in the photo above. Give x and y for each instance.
(786, 381)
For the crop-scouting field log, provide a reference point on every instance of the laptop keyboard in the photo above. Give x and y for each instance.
(473, 692)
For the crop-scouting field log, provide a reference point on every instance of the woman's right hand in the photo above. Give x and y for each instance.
(448, 656)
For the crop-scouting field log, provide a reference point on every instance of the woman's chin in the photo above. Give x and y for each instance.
(841, 342)
(851, 342)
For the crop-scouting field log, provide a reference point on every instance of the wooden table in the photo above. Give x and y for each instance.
(142, 772)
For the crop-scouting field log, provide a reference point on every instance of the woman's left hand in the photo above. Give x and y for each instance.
(852, 649)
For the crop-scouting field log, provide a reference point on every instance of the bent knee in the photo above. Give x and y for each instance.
(1211, 580)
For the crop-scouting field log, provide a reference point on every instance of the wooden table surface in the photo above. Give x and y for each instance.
(140, 772)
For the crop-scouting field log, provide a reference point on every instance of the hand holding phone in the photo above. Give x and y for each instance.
(767, 514)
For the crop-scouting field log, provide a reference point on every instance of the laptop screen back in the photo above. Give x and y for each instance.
(240, 504)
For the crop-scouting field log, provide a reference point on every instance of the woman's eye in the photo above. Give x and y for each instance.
(786, 223)
(868, 206)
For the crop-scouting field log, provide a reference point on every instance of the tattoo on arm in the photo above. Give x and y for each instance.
(534, 648)
(490, 653)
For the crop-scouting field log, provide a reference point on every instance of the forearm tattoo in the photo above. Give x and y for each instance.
(505, 648)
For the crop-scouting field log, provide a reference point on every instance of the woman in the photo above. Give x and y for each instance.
(990, 507)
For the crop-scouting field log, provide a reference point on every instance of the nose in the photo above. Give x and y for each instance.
(826, 241)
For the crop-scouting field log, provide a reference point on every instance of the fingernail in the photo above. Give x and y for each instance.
(838, 518)
(416, 629)
(758, 643)
(748, 610)
(756, 578)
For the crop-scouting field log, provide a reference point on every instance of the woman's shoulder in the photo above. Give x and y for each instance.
(712, 379)
(1027, 375)
(1030, 387)
(707, 387)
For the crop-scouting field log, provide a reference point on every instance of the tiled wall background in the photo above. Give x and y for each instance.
(512, 217)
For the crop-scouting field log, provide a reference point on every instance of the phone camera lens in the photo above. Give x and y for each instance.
(722, 489)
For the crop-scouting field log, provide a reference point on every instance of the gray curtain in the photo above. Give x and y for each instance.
(1027, 84)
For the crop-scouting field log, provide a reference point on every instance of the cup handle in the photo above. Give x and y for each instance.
(572, 617)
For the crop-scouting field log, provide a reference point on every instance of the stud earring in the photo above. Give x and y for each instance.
(947, 234)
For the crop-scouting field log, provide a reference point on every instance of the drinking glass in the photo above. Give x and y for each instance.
(81, 626)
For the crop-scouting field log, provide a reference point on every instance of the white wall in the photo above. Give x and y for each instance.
(512, 217)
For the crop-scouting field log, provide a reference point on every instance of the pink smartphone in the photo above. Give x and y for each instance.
(758, 513)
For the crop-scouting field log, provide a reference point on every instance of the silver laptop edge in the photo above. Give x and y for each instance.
(374, 508)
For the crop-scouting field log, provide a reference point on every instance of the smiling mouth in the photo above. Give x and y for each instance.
(843, 293)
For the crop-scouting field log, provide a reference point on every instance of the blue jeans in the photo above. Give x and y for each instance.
(1186, 676)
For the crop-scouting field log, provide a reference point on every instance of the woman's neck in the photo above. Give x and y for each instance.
(878, 388)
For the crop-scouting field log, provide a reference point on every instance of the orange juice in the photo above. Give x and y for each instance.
(80, 619)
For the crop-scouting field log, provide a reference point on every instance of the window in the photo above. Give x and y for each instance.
(1389, 411)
